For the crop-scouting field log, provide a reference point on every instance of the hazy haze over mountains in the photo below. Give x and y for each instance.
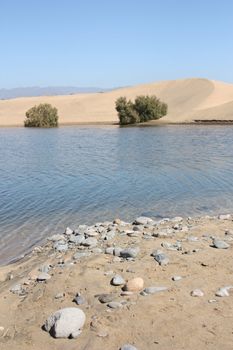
(34, 91)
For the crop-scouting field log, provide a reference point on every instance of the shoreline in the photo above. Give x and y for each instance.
(85, 259)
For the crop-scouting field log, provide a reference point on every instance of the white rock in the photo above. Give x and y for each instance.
(65, 323)
(90, 242)
(197, 293)
(143, 220)
(128, 347)
(224, 217)
(68, 231)
(153, 290)
(176, 278)
(43, 276)
(224, 291)
(117, 280)
(217, 243)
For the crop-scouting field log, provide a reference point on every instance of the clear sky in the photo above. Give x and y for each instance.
(109, 43)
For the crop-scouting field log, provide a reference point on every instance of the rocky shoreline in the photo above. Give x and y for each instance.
(129, 286)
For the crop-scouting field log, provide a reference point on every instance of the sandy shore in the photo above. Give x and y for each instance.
(168, 319)
(188, 100)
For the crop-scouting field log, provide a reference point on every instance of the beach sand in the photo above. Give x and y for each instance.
(187, 100)
(171, 319)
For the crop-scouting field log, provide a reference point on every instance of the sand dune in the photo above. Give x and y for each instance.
(188, 100)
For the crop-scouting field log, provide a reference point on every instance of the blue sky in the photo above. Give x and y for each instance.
(108, 43)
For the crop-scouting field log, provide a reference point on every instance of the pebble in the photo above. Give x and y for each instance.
(65, 323)
(106, 298)
(143, 220)
(224, 291)
(171, 246)
(176, 278)
(160, 257)
(129, 252)
(128, 347)
(79, 300)
(114, 305)
(43, 276)
(90, 242)
(153, 290)
(16, 289)
(224, 217)
(134, 285)
(68, 231)
(117, 280)
(117, 251)
(60, 246)
(59, 295)
(197, 293)
(220, 244)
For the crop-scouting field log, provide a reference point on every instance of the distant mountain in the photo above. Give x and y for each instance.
(33, 91)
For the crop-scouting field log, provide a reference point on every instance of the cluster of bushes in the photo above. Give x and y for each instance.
(42, 116)
(143, 109)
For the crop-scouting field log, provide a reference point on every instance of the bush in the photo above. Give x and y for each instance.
(42, 116)
(143, 109)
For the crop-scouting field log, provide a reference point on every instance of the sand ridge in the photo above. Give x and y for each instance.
(187, 99)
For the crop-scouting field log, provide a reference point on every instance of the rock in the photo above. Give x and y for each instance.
(143, 220)
(109, 250)
(224, 217)
(134, 285)
(160, 257)
(59, 295)
(153, 290)
(117, 251)
(56, 238)
(114, 305)
(65, 323)
(177, 219)
(171, 246)
(128, 347)
(79, 300)
(117, 280)
(197, 293)
(106, 298)
(76, 239)
(16, 289)
(109, 235)
(80, 255)
(68, 231)
(45, 268)
(224, 291)
(97, 250)
(220, 244)
(117, 222)
(90, 242)
(91, 233)
(125, 293)
(129, 252)
(43, 276)
(176, 278)
(60, 246)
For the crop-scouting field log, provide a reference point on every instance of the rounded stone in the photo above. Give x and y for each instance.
(134, 285)
(128, 347)
(197, 293)
(43, 276)
(117, 280)
(65, 323)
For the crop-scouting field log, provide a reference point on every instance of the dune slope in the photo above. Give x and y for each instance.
(188, 100)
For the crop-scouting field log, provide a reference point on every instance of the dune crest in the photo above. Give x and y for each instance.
(187, 99)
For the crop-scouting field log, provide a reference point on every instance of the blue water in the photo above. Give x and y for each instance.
(50, 179)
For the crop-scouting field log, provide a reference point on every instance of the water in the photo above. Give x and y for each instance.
(50, 179)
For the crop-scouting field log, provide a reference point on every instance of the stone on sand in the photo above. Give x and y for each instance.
(134, 285)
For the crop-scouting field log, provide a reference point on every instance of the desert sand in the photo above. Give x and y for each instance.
(169, 319)
(188, 100)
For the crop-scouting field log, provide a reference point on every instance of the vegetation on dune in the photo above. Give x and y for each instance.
(42, 116)
(143, 109)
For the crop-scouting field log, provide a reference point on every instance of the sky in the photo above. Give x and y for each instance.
(113, 43)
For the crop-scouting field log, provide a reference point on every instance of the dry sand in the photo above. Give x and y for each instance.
(188, 99)
(167, 320)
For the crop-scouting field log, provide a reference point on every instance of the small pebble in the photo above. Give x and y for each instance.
(197, 293)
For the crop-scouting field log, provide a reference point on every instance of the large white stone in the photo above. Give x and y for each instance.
(65, 323)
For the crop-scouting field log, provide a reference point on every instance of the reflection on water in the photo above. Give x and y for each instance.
(50, 179)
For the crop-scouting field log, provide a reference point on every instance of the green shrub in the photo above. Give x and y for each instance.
(41, 116)
(143, 109)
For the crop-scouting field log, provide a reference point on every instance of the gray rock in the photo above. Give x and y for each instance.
(79, 300)
(106, 298)
(220, 244)
(160, 257)
(43, 276)
(117, 280)
(109, 235)
(68, 231)
(172, 246)
(16, 289)
(129, 252)
(153, 290)
(109, 250)
(76, 239)
(117, 251)
(45, 268)
(114, 305)
(59, 295)
(90, 242)
(60, 246)
(177, 219)
(91, 233)
(128, 347)
(143, 220)
(97, 250)
(80, 255)
(65, 323)
(197, 293)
